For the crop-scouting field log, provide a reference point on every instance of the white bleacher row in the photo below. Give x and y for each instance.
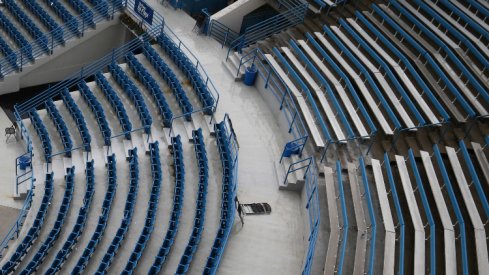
(383, 68)
(438, 174)
(119, 146)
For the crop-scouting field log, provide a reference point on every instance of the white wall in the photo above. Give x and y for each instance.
(232, 15)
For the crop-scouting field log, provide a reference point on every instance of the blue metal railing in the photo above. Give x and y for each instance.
(294, 15)
(38, 46)
(371, 214)
(221, 32)
(344, 215)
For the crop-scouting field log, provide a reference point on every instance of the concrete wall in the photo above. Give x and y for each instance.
(232, 15)
(70, 58)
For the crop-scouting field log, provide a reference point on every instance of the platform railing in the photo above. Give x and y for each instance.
(55, 40)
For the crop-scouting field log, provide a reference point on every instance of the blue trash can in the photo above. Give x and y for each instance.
(24, 162)
(250, 75)
(290, 149)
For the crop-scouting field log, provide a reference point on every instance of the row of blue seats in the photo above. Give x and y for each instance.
(103, 218)
(227, 200)
(143, 239)
(10, 55)
(128, 213)
(171, 79)
(86, 13)
(28, 24)
(42, 132)
(33, 232)
(53, 235)
(199, 219)
(179, 167)
(101, 6)
(79, 119)
(68, 19)
(150, 83)
(46, 19)
(60, 126)
(97, 109)
(116, 103)
(81, 220)
(190, 69)
(134, 94)
(16, 36)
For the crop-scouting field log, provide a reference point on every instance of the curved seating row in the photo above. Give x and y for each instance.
(179, 167)
(199, 218)
(190, 69)
(150, 83)
(33, 232)
(10, 55)
(143, 239)
(57, 226)
(68, 19)
(86, 13)
(98, 111)
(60, 126)
(103, 218)
(78, 117)
(42, 132)
(116, 104)
(81, 220)
(28, 24)
(134, 94)
(46, 19)
(16, 36)
(102, 6)
(171, 79)
(227, 200)
(128, 212)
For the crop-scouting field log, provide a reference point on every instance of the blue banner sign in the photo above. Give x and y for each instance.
(144, 10)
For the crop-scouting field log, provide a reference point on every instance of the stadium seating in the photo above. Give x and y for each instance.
(42, 132)
(116, 104)
(81, 220)
(67, 18)
(79, 119)
(177, 151)
(143, 239)
(58, 225)
(103, 218)
(128, 212)
(171, 79)
(102, 6)
(151, 85)
(60, 126)
(16, 36)
(34, 230)
(194, 240)
(134, 94)
(84, 11)
(46, 19)
(98, 111)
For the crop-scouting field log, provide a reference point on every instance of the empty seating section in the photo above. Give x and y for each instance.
(60, 126)
(102, 6)
(371, 214)
(79, 119)
(55, 30)
(227, 199)
(16, 36)
(178, 165)
(116, 104)
(68, 19)
(143, 239)
(28, 24)
(10, 55)
(134, 94)
(42, 132)
(86, 13)
(98, 111)
(57, 226)
(33, 231)
(151, 85)
(194, 240)
(128, 212)
(81, 220)
(103, 218)
(171, 79)
(344, 217)
(200, 85)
